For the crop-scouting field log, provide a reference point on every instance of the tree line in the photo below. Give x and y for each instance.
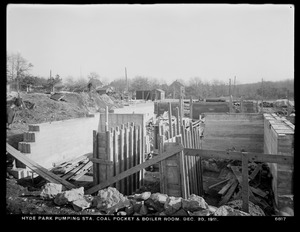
(19, 77)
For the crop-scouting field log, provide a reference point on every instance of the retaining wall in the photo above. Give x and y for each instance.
(242, 131)
(49, 143)
(279, 139)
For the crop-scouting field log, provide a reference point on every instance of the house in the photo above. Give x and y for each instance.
(105, 90)
(178, 89)
(157, 94)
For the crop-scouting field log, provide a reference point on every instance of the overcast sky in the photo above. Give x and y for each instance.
(166, 42)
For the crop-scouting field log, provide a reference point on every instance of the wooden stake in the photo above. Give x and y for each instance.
(245, 186)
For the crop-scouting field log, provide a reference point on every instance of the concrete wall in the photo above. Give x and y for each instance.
(54, 142)
(279, 139)
(241, 131)
(161, 107)
(199, 108)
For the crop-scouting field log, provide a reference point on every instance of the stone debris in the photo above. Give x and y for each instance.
(69, 196)
(50, 190)
(226, 210)
(110, 201)
(172, 205)
(194, 203)
(82, 203)
(254, 210)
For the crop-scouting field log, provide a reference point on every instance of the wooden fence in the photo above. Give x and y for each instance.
(190, 134)
(115, 151)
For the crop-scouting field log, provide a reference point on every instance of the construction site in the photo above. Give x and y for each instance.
(152, 157)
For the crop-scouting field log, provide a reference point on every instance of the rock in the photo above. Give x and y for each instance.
(142, 197)
(161, 214)
(159, 197)
(180, 212)
(194, 203)
(157, 206)
(226, 210)
(254, 210)
(129, 210)
(110, 200)
(157, 201)
(212, 209)
(122, 213)
(205, 212)
(172, 205)
(81, 203)
(50, 190)
(69, 196)
(136, 206)
(143, 209)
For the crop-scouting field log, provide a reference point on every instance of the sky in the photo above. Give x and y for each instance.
(161, 41)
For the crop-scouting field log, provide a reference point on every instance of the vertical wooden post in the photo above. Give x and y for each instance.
(191, 108)
(127, 164)
(131, 141)
(116, 157)
(161, 165)
(181, 113)
(245, 184)
(106, 118)
(95, 155)
(141, 156)
(177, 121)
(182, 171)
(102, 155)
(109, 155)
(170, 120)
(185, 159)
(122, 160)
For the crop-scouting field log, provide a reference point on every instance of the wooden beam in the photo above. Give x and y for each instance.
(217, 184)
(82, 171)
(101, 161)
(43, 172)
(170, 120)
(176, 149)
(74, 171)
(256, 157)
(229, 193)
(245, 184)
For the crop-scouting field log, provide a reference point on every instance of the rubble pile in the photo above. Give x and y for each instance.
(110, 201)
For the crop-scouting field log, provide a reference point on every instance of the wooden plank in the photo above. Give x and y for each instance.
(101, 161)
(109, 154)
(245, 184)
(135, 151)
(181, 169)
(82, 171)
(170, 120)
(102, 155)
(43, 172)
(121, 159)
(258, 192)
(131, 137)
(255, 171)
(174, 150)
(116, 157)
(252, 157)
(161, 165)
(225, 188)
(74, 171)
(217, 184)
(95, 155)
(177, 121)
(126, 154)
(229, 193)
(140, 156)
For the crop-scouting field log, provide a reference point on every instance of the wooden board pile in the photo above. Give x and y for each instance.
(260, 191)
(74, 169)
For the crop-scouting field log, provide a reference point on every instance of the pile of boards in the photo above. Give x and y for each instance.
(259, 188)
(74, 169)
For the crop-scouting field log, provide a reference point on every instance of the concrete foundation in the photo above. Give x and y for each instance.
(55, 142)
(199, 108)
(279, 139)
(241, 131)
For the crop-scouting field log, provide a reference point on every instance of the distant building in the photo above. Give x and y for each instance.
(157, 94)
(178, 89)
(105, 90)
(143, 95)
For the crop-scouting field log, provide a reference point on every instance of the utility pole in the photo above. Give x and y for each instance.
(262, 95)
(126, 84)
(229, 87)
(234, 88)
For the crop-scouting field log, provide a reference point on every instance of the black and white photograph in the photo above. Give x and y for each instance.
(150, 112)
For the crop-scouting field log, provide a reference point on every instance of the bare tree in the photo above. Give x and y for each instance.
(17, 67)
